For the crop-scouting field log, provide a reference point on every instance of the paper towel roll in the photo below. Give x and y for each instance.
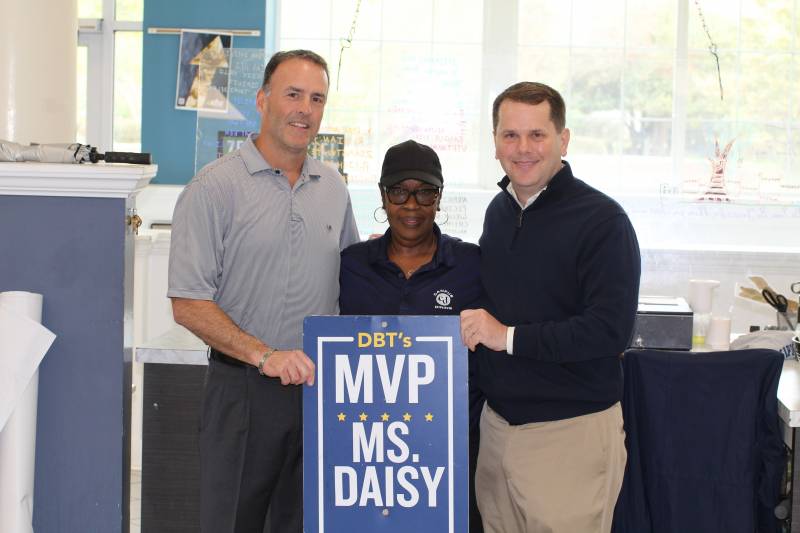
(27, 304)
(23, 343)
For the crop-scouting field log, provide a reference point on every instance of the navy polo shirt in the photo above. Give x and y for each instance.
(372, 285)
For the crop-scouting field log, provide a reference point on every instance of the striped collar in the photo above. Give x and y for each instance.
(255, 162)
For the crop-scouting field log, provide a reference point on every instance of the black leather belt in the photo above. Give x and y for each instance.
(216, 355)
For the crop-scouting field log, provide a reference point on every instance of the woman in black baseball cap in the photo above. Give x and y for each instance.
(413, 268)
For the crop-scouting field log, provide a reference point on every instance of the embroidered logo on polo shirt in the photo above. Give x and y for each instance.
(443, 299)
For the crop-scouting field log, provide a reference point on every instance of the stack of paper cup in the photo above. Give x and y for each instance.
(719, 333)
(700, 297)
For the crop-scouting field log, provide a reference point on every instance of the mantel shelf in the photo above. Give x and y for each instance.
(99, 180)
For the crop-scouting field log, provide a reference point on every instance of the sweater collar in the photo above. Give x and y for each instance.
(557, 183)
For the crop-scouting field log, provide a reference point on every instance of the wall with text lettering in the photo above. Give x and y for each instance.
(168, 133)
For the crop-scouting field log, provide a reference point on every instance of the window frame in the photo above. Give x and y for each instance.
(98, 36)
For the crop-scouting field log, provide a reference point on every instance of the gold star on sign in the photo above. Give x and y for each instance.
(406, 417)
(429, 417)
(341, 417)
(362, 416)
(385, 417)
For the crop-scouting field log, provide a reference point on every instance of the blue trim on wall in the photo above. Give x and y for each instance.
(168, 133)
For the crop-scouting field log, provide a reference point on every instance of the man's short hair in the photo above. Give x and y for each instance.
(279, 57)
(533, 93)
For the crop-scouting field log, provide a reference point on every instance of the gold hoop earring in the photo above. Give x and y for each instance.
(375, 215)
(446, 217)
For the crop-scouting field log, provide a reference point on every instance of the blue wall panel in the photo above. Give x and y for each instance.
(167, 133)
(72, 250)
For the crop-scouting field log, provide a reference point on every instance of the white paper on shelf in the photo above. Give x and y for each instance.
(23, 343)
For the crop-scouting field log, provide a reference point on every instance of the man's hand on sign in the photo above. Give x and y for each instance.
(293, 367)
(479, 327)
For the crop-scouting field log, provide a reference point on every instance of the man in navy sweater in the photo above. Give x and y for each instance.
(560, 265)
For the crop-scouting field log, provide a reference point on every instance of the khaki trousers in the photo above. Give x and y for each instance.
(562, 476)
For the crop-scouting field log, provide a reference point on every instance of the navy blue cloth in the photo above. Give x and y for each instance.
(564, 272)
(705, 452)
(370, 284)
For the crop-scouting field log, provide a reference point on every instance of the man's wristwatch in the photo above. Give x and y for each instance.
(264, 360)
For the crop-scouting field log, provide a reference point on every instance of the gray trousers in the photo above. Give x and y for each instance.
(250, 453)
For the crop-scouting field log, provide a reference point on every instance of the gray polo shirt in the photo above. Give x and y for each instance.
(266, 253)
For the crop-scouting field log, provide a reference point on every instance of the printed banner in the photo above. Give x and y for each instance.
(385, 435)
(203, 71)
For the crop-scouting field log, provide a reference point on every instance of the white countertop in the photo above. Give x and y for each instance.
(180, 346)
(789, 393)
(177, 346)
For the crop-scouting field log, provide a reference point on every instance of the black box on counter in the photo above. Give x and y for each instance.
(662, 323)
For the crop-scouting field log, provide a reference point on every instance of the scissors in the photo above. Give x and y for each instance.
(779, 303)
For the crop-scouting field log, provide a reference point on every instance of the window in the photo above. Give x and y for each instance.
(128, 91)
(649, 123)
(109, 109)
(90, 9)
(129, 10)
(413, 70)
(82, 82)
(613, 62)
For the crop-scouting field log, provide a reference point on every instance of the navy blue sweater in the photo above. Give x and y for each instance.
(564, 272)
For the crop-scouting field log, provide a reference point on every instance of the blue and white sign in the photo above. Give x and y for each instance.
(385, 435)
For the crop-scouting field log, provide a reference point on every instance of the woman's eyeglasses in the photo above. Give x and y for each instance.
(424, 196)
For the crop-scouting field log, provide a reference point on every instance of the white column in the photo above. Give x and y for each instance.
(38, 41)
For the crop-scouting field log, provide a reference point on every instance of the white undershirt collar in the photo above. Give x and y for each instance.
(513, 193)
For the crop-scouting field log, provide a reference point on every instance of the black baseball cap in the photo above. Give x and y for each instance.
(411, 160)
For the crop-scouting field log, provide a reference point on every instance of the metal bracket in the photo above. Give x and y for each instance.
(133, 220)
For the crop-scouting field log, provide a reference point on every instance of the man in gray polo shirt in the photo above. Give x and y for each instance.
(256, 237)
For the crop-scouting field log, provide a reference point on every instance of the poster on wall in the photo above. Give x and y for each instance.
(203, 71)
(326, 147)
(230, 140)
(329, 148)
(385, 435)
